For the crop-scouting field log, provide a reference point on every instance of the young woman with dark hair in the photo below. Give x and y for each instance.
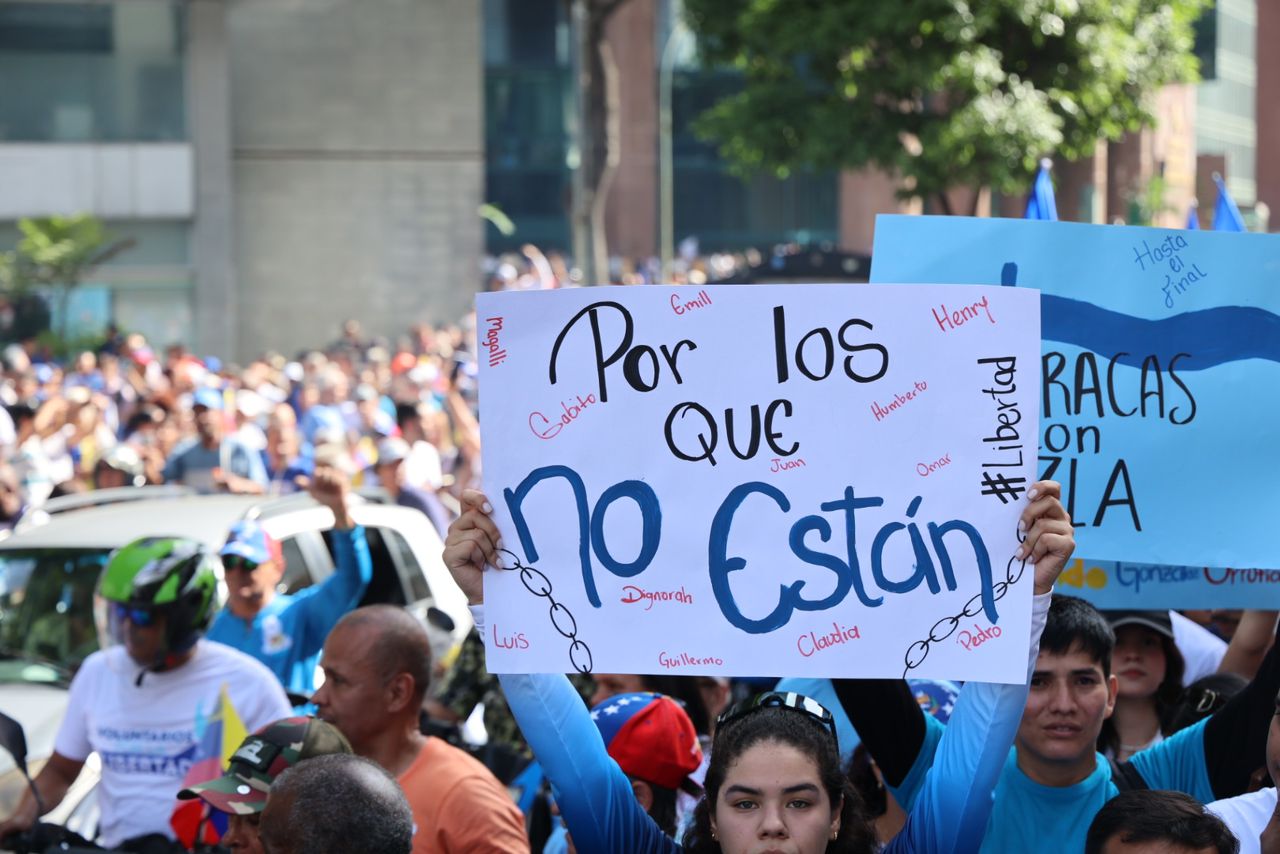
(1148, 667)
(775, 782)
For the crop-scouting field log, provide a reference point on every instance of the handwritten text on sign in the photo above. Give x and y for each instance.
(803, 480)
(1158, 346)
(1109, 584)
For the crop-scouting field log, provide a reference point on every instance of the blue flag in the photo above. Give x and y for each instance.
(1226, 216)
(1193, 216)
(1041, 204)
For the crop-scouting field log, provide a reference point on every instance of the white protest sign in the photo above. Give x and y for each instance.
(802, 480)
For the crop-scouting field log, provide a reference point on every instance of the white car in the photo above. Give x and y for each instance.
(49, 571)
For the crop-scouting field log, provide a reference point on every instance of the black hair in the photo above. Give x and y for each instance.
(780, 725)
(1146, 815)
(862, 774)
(144, 415)
(21, 411)
(683, 689)
(405, 412)
(1075, 625)
(663, 809)
(374, 817)
(1202, 698)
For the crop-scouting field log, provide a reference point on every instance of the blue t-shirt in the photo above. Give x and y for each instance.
(288, 633)
(1028, 816)
(192, 464)
(601, 812)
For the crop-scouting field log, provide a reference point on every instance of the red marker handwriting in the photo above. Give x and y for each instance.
(497, 355)
(977, 637)
(680, 306)
(544, 428)
(812, 642)
(899, 400)
(955, 318)
(926, 469)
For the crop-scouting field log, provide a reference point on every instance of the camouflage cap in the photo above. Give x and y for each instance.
(262, 757)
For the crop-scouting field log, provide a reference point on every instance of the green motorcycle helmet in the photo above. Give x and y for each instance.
(168, 576)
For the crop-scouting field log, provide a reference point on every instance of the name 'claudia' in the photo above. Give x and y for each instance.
(811, 643)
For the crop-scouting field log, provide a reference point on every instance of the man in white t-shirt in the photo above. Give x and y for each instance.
(144, 704)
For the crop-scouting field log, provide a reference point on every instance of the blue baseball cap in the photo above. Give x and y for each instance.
(249, 541)
(209, 398)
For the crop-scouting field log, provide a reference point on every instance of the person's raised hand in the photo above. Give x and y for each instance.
(472, 542)
(1050, 536)
(329, 486)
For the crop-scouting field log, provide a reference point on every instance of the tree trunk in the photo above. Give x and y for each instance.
(597, 89)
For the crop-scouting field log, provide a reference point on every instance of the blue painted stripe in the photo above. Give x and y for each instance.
(1211, 337)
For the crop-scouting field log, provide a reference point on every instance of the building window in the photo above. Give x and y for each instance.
(92, 72)
(1206, 43)
(725, 212)
(529, 105)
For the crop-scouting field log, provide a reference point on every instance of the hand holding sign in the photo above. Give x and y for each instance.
(1050, 536)
(471, 544)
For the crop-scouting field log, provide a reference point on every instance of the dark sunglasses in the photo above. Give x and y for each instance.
(140, 617)
(781, 700)
(232, 562)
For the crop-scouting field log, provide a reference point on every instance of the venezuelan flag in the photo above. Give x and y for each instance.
(220, 734)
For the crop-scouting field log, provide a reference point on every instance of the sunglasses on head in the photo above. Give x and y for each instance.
(232, 562)
(781, 700)
(140, 617)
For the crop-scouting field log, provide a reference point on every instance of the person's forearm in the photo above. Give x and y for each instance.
(1250, 643)
(594, 796)
(52, 786)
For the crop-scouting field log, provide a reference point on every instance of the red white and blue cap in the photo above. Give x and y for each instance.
(249, 541)
(651, 738)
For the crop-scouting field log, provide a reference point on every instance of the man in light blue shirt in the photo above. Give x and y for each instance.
(286, 632)
(1054, 781)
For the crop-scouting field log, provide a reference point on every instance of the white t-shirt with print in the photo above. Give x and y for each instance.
(146, 734)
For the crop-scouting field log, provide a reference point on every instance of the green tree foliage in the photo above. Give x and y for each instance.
(54, 255)
(945, 93)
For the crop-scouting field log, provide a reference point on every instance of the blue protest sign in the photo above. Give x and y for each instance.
(1161, 357)
(1109, 584)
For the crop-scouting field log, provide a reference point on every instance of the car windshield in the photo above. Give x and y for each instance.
(46, 612)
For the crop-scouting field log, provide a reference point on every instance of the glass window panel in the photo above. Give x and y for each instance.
(92, 72)
(162, 314)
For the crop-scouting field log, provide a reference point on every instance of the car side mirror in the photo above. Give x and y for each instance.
(14, 740)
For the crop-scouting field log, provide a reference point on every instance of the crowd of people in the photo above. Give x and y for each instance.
(398, 415)
(1134, 731)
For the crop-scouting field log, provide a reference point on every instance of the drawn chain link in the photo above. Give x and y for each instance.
(539, 585)
(946, 627)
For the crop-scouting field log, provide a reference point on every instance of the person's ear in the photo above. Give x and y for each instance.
(1113, 690)
(399, 690)
(835, 817)
(275, 570)
(644, 794)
